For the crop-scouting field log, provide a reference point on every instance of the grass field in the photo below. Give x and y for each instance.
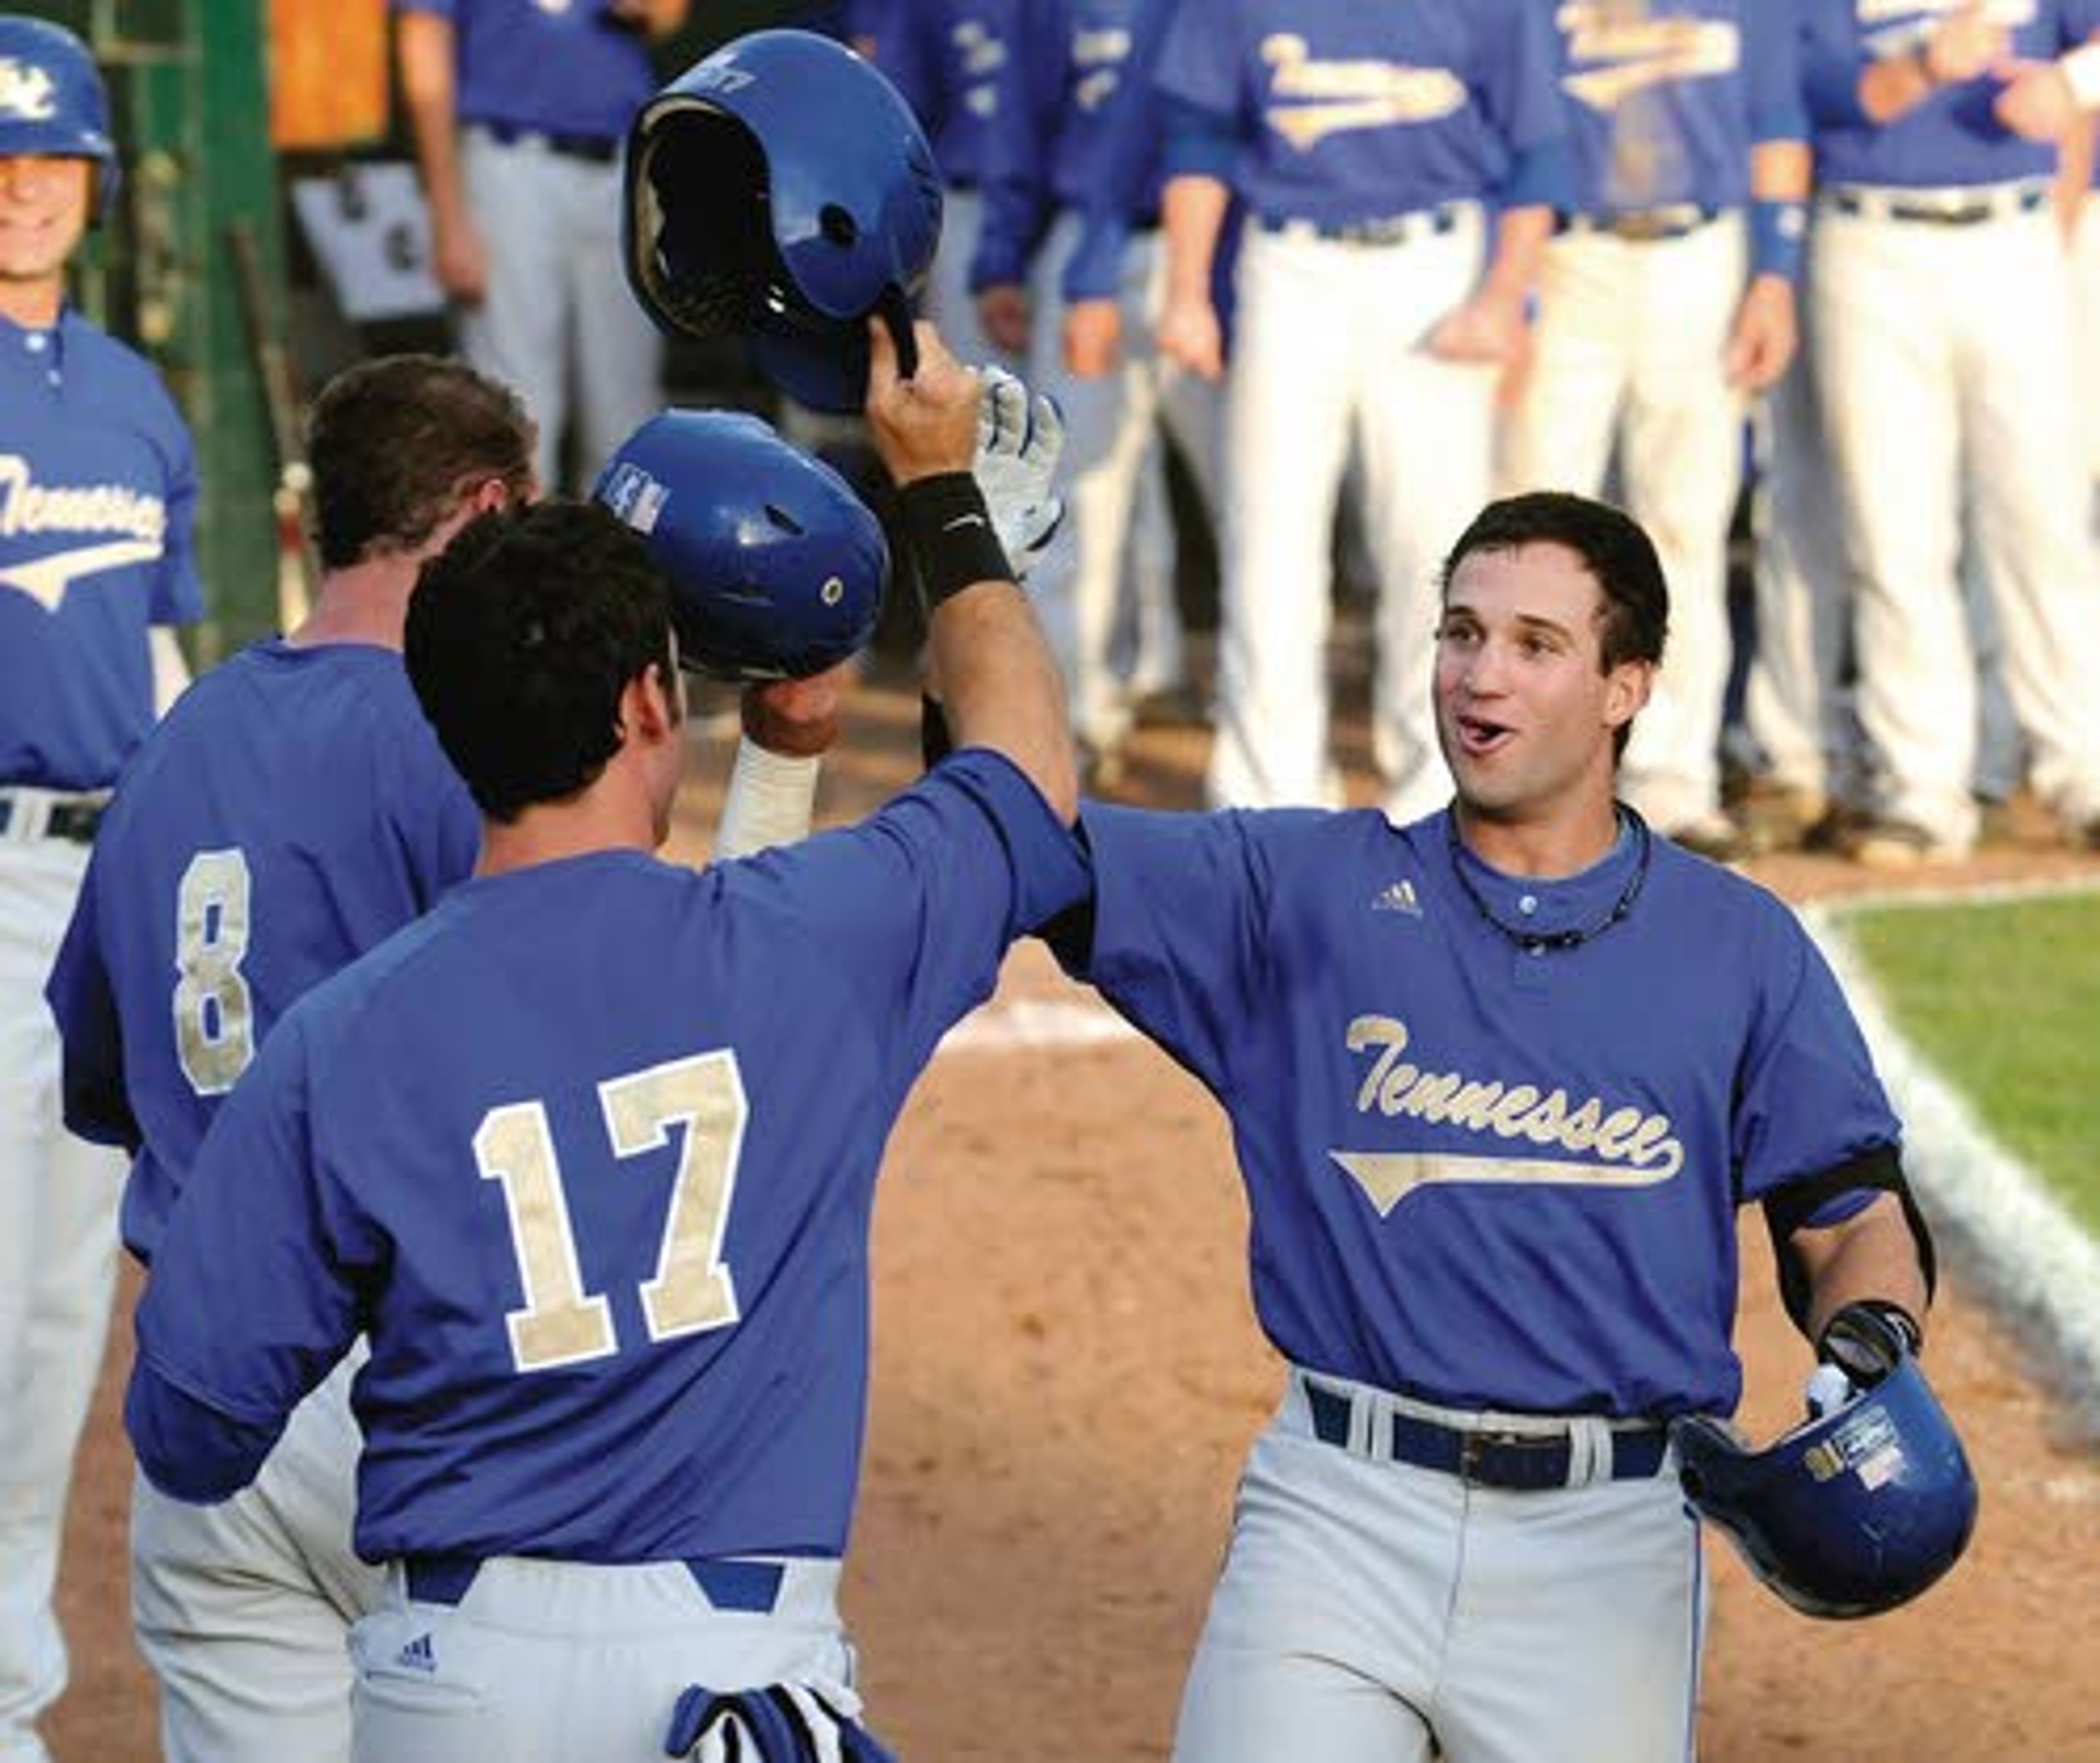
(2002, 998)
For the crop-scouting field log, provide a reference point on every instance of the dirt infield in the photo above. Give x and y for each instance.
(1068, 1374)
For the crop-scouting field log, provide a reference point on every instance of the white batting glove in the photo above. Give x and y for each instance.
(1021, 438)
(1828, 1390)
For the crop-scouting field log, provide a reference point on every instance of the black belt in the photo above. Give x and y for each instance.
(1645, 226)
(1384, 229)
(1998, 206)
(752, 1586)
(76, 822)
(1507, 1460)
(599, 149)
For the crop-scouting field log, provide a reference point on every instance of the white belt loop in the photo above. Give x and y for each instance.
(1589, 1450)
(1364, 1430)
(28, 812)
(29, 807)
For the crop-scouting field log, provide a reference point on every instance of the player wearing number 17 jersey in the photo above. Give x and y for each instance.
(589, 1151)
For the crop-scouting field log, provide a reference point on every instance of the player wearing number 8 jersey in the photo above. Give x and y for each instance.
(293, 812)
(589, 1150)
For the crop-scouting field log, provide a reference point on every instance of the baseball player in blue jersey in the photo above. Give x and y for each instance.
(519, 110)
(949, 59)
(600, 1203)
(1399, 166)
(1069, 267)
(1665, 302)
(97, 493)
(292, 812)
(1945, 361)
(1499, 1081)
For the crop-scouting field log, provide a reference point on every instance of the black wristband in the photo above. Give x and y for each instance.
(936, 740)
(1868, 1339)
(949, 531)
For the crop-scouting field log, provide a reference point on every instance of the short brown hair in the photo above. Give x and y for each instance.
(394, 442)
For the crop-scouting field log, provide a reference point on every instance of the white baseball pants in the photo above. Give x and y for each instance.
(244, 1610)
(58, 1269)
(1331, 342)
(1629, 350)
(1370, 1611)
(1945, 366)
(1112, 562)
(551, 1661)
(558, 324)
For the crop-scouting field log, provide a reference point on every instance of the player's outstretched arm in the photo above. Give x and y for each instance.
(999, 685)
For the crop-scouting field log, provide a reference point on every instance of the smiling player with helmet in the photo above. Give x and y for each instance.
(98, 491)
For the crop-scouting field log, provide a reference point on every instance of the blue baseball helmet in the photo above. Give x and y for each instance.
(777, 568)
(52, 100)
(1848, 1515)
(781, 190)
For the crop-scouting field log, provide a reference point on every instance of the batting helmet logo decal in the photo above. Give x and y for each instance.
(635, 496)
(27, 94)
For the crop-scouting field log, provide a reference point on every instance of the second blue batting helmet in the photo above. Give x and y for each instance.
(777, 568)
(52, 100)
(781, 190)
(1848, 1515)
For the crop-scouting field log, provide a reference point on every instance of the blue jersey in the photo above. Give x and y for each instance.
(293, 810)
(947, 58)
(1064, 85)
(98, 498)
(1483, 1177)
(1124, 194)
(1345, 111)
(590, 1153)
(1950, 139)
(573, 69)
(1665, 105)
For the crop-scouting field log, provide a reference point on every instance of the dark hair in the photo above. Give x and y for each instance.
(522, 633)
(395, 442)
(1635, 622)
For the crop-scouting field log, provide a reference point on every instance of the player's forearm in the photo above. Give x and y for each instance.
(171, 668)
(1192, 214)
(424, 52)
(1520, 237)
(1871, 1255)
(1000, 688)
(788, 726)
(1780, 171)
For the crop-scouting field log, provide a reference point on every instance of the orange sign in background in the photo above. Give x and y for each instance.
(327, 73)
